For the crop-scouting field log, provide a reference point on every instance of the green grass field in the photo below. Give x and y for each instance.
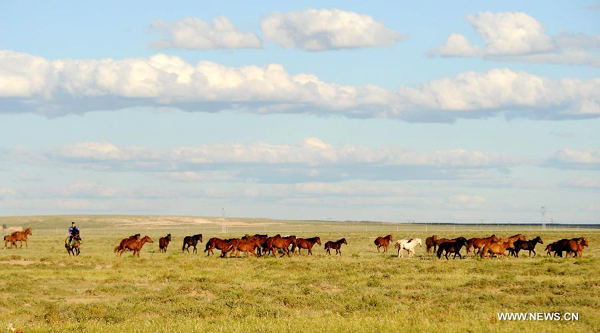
(42, 289)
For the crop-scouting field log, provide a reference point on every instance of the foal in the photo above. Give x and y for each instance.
(337, 245)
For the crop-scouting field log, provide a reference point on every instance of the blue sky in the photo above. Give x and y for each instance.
(428, 111)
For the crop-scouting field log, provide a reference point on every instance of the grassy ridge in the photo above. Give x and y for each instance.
(42, 289)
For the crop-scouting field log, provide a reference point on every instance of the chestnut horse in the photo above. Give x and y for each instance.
(249, 245)
(451, 246)
(221, 244)
(21, 236)
(163, 243)
(281, 243)
(125, 240)
(262, 240)
(431, 243)
(10, 239)
(306, 243)
(191, 241)
(498, 248)
(479, 243)
(337, 246)
(135, 245)
(383, 242)
(527, 245)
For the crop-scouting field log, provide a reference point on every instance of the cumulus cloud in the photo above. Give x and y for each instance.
(56, 87)
(516, 36)
(324, 29)
(194, 34)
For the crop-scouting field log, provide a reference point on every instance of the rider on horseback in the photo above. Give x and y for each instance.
(73, 231)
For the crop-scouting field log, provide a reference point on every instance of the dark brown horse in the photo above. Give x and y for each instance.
(479, 243)
(383, 242)
(73, 249)
(527, 245)
(574, 246)
(431, 243)
(163, 243)
(191, 241)
(451, 246)
(306, 243)
(281, 243)
(21, 236)
(337, 246)
(135, 245)
(221, 244)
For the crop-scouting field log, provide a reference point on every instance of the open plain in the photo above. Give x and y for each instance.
(43, 289)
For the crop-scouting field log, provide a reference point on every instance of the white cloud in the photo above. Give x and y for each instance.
(516, 36)
(195, 34)
(577, 158)
(584, 183)
(312, 152)
(324, 29)
(34, 84)
(465, 199)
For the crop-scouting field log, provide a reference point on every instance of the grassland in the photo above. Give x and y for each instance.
(42, 289)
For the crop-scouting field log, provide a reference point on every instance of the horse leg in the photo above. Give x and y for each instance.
(195, 250)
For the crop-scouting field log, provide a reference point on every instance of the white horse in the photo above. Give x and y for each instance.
(408, 245)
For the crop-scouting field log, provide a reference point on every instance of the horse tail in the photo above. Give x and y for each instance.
(439, 252)
(116, 248)
(208, 244)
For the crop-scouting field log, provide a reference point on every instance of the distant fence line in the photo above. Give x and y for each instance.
(316, 228)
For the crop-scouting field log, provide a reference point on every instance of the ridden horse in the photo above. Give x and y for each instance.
(221, 244)
(163, 243)
(73, 249)
(21, 236)
(135, 245)
(125, 240)
(479, 243)
(527, 245)
(306, 243)
(451, 246)
(191, 241)
(281, 243)
(383, 242)
(408, 245)
(497, 248)
(337, 246)
(431, 243)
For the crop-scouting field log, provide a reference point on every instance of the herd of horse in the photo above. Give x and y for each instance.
(257, 245)
(262, 245)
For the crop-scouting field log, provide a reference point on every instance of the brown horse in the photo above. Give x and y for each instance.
(451, 246)
(383, 242)
(337, 246)
(125, 240)
(163, 243)
(479, 243)
(247, 246)
(574, 246)
(221, 244)
(73, 250)
(191, 241)
(21, 236)
(10, 239)
(262, 239)
(281, 243)
(306, 243)
(431, 243)
(527, 245)
(497, 248)
(135, 245)
(550, 249)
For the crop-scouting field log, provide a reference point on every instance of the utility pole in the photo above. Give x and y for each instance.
(223, 227)
(543, 211)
